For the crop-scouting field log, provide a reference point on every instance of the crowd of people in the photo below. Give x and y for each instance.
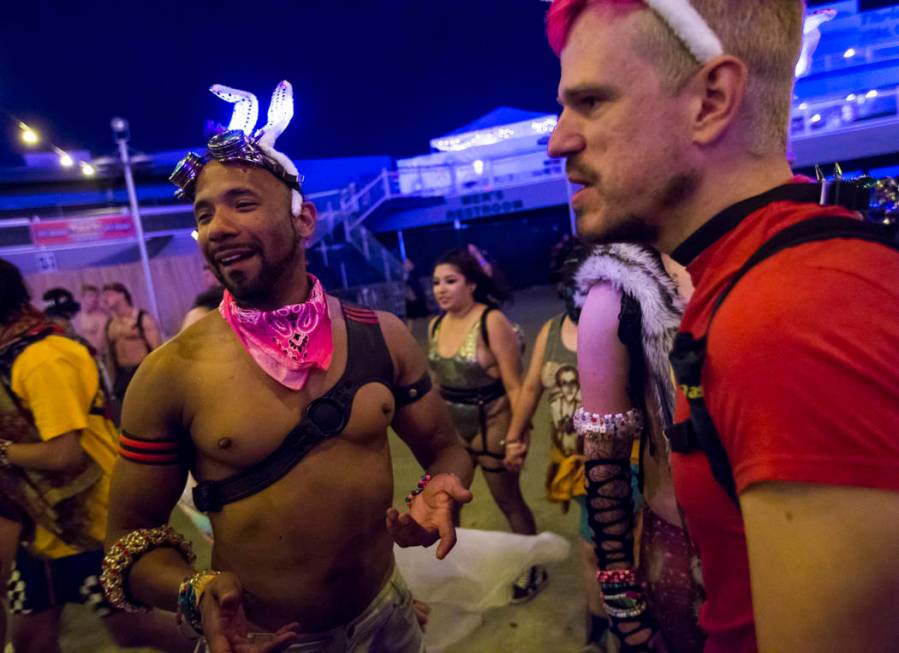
(734, 493)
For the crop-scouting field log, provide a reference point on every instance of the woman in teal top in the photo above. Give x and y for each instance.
(475, 356)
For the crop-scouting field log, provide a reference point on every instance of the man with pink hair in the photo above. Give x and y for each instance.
(786, 435)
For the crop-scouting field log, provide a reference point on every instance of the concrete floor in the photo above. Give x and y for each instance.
(553, 621)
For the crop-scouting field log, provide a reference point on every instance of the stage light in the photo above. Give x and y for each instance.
(849, 53)
(29, 136)
(478, 166)
(87, 169)
(803, 106)
(871, 94)
(816, 118)
(852, 97)
(195, 234)
(65, 160)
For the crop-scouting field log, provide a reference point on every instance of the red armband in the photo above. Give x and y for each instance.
(148, 452)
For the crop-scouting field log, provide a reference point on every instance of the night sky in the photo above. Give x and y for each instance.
(369, 77)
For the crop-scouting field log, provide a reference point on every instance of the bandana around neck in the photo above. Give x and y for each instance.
(288, 342)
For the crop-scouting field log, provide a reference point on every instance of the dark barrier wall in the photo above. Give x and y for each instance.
(519, 243)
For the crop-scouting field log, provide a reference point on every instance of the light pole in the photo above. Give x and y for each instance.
(120, 131)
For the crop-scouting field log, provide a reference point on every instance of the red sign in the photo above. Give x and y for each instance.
(82, 230)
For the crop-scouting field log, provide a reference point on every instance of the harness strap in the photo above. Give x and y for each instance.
(409, 394)
(368, 360)
(689, 354)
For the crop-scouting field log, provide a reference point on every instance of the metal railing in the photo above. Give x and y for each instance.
(855, 57)
(831, 114)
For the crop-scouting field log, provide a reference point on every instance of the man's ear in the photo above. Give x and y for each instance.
(306, 220)
(720, 90)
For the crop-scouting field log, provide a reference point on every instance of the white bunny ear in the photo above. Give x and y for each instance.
(246, 107)
(811, 36)
(280, 113)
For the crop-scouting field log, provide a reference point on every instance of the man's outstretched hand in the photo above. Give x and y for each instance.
(225, 623)
(430, 517)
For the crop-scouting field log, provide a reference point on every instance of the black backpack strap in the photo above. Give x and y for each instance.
(484, 335)
(688, 357)
(140, 328)
(807, 231)
(436, 324)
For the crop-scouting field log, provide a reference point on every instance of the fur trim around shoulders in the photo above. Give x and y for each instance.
(637, 272)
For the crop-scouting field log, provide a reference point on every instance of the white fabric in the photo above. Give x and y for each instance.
(690, 27)
(475, 577)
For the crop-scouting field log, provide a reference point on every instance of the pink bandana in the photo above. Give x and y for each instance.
(290, 341)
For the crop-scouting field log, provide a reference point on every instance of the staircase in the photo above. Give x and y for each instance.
(349, 259)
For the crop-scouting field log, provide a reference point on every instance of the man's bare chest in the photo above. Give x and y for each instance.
(237, 416)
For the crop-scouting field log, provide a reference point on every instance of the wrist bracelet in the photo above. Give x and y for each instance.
(622, 593)
(4, 455)
(128, 550)
(594, 426)
(190, 593)
(422, 484)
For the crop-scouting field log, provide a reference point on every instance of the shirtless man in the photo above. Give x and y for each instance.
(304, 540)
(130, 335)
(91, 321)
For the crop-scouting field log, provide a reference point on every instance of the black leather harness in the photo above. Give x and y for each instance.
(368, 361)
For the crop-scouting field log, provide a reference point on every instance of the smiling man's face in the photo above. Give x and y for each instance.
(245, 228)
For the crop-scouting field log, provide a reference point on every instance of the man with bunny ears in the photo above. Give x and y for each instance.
(279, 404)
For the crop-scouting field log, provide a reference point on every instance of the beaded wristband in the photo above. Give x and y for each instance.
(622, 593)
(612, 426)
(190, 592)
(617, 576)
(4, 457)
(123, 554)
(422, 484)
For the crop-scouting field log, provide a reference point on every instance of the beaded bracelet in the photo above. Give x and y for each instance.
(123, 554)
(622, 593)
(616, 613)
(617, 576)
(422, 484)
(594, 426)
(190, 592)
(4, 456)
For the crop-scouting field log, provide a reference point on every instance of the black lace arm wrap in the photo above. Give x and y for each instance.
(610, 509)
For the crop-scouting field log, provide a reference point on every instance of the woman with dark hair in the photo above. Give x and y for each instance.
(475, 355)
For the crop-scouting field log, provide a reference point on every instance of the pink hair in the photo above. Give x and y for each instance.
(562, 15)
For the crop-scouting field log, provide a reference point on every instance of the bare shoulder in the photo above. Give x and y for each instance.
(544, 330)
(603, 296)
(598, 325)
(158, 389)
(497, 319)
(396, 333)
(601, 309)
(408, 357)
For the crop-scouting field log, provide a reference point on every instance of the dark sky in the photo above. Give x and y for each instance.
(369, 77)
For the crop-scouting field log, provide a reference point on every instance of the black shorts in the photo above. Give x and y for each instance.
(40, 584)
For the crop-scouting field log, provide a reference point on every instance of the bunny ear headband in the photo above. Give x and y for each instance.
(691, 28)
(241, 143)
